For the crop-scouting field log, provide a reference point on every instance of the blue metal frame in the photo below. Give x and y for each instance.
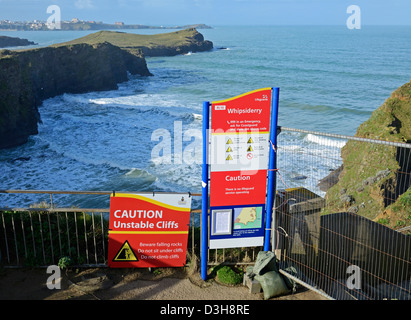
(271, 184)
(272, 166)
(204, 191)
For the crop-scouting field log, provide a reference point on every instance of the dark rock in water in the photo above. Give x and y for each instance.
(302, 177)
(20, 159)
(6, 42)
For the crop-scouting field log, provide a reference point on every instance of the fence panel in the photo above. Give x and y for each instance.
(343, 214)
(41, 237)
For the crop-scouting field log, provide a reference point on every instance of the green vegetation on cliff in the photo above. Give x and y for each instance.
(163, 44)
(392, 121)
(375, 180)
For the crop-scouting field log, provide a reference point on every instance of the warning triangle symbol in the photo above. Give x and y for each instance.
(229, 149)
(229, 141)
(249, 149)
(250, 140)
(229, 157)
(125, 253)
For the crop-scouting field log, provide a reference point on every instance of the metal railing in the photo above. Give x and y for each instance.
(42, 235)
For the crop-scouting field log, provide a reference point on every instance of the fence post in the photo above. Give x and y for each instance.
(204, 190)
(271, 184)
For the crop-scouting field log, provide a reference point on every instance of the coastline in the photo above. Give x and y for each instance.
(97, 62)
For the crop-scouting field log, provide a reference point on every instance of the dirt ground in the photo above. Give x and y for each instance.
(127, 284)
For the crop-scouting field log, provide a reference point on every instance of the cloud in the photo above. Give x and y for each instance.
(83, 4)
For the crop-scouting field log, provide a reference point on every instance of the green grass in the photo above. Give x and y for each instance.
(136, 41)
(362, 160)
(392, 121)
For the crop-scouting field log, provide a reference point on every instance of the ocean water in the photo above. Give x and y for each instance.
(331, 79)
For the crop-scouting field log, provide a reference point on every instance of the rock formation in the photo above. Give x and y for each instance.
(96, 62)
(28, 77)
(14, 42)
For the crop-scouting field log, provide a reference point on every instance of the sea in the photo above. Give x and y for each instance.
(146, 135)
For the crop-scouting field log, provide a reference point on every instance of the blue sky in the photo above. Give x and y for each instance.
(214, 12)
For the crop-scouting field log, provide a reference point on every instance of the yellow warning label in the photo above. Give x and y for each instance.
(229, 157)
(229, 149)
(125, 253)
(229, 141)
(249, 149)
(250, 141)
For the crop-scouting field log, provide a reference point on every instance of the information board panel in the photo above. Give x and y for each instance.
(148, 230)
(239, 155)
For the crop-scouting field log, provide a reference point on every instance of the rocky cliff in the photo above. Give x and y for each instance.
(14, 42)
(96, 62)
(375, 179)
(28, 77)
(162, 44)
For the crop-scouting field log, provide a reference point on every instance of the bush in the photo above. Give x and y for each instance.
(227, 275)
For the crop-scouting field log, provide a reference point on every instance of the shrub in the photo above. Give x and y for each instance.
(230, 276)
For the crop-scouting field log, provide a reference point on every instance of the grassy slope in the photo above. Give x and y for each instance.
(135, 41)
(384, 124)
(390, 122)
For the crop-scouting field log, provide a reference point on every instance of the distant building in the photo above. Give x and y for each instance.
(75, 20)
(119, 23)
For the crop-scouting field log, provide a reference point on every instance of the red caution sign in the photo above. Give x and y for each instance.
(239, 156)
(239, 149)
(148, 230)
(231, 188)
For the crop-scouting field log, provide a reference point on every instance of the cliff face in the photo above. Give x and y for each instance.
(14, 42)
(31, 76)
(375, 179)
(96, 62)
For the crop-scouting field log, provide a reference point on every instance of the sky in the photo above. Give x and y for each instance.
(213, 12)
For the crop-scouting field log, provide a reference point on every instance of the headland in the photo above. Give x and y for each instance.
(97, 62)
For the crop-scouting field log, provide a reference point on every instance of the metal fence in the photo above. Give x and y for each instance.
(342, 220)
(343, 214)
(42, 235)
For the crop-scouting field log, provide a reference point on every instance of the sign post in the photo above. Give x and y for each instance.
(240, 156)
(271, 184)
(204, 192)
(148, 230)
